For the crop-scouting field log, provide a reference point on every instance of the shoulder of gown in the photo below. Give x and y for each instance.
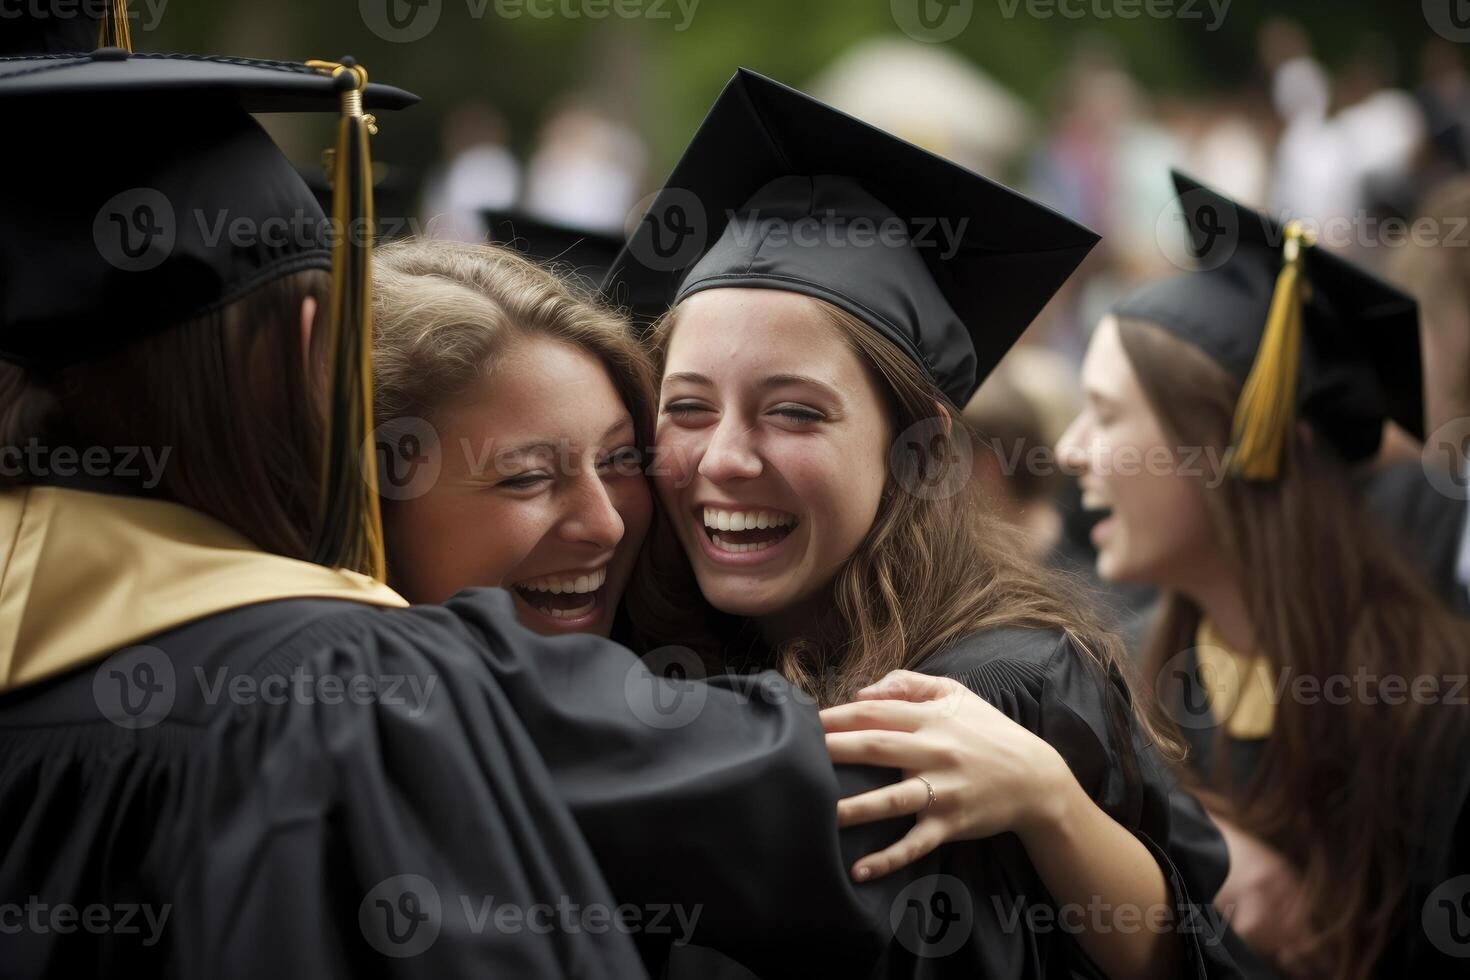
(337, 789)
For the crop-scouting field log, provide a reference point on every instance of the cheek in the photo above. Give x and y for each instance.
(441, 544)
(633, 500)
(676, 460)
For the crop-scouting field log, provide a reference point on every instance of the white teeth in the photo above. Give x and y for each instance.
(590, 582)
(570, 613)
(1094, 501)
(745, 520)
(738, 548)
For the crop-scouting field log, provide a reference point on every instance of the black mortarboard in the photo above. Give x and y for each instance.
(1317, 336)
(587, 255)
(780, 191)
(138, 193)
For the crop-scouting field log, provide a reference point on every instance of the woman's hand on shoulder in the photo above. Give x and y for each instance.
(988, 774)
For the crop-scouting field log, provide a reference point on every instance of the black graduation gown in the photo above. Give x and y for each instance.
(496, 803)
(979, 908)
(1412, 952)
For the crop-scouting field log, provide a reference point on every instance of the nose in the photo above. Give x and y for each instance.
(729, 454)
(591, 516)
(1072, 448)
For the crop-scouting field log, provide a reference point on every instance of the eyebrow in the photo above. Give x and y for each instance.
(773, 381)
(548, 445)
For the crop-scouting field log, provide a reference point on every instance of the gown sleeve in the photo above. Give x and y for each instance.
(1038, 679)
(518, 805)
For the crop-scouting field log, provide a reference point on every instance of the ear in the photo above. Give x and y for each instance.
(308, 317)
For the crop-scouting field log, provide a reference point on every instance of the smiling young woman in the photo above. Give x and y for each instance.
(807, 427)
(538, 403)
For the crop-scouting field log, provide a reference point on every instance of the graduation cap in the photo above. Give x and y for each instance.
(139, 193)
(1305, 332)
(780, 191)
(589, 254)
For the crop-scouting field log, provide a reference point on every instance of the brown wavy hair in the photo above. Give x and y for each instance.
(443, 311)
(1344, 791)
(932, 570)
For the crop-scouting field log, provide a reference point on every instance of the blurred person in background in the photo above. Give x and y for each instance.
(586, 169)
(1343, 812)
(479, 174)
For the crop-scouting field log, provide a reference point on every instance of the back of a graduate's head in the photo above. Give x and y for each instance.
(221, 413)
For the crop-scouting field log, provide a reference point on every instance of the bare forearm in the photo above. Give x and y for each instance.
(1108, 887)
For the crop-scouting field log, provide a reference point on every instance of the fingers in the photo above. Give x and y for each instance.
(895, 750)
(895, 716)
(926, 835)
(905, 685)
(905, 796)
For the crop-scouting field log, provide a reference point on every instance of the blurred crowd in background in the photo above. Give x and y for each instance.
(1355, 119)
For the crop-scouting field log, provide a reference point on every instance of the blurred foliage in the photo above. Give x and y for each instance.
(660, 78)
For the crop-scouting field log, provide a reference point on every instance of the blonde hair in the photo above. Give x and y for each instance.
(444, 313)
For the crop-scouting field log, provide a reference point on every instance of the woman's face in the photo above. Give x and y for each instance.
(1157, 530)
(772, 448)
(541, 492)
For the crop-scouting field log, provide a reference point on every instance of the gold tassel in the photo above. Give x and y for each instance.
(1267, 405)
(350, 526)
(115, 31)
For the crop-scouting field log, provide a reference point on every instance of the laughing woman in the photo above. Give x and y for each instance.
(1344, 803)
(510, 416)
(806, 453)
